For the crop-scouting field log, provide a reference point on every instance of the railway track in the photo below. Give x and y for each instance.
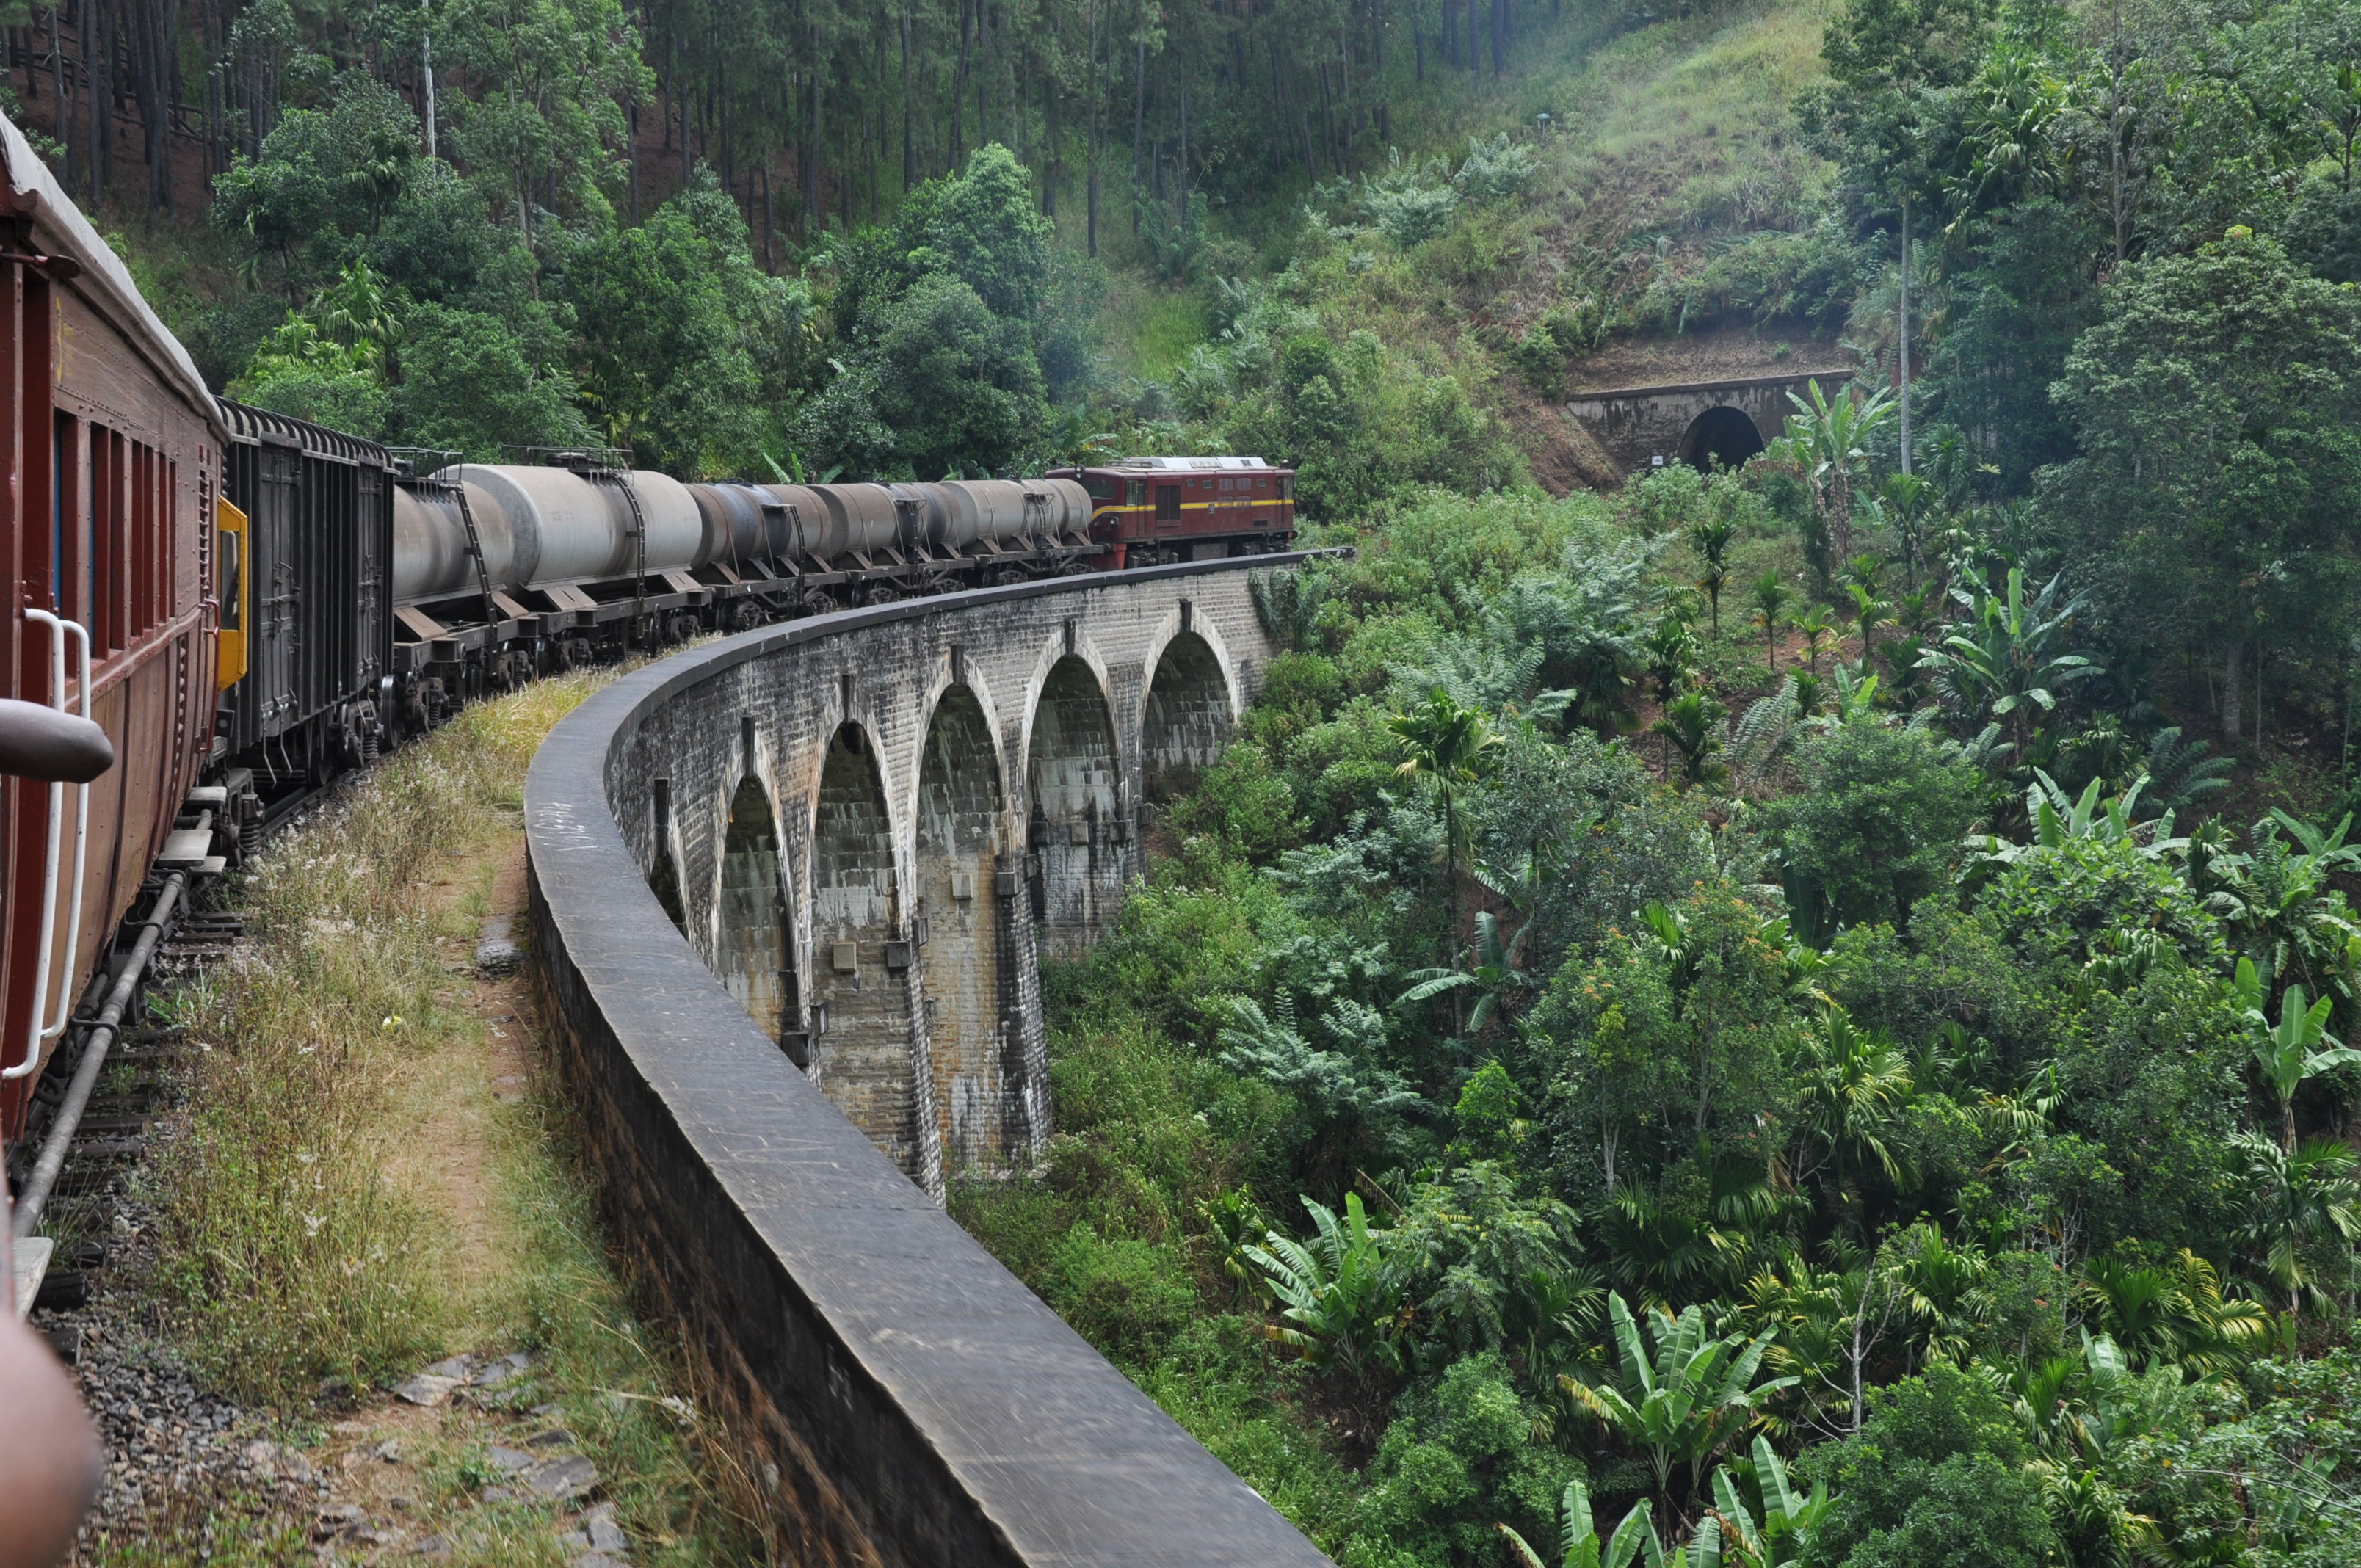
(114, 1087)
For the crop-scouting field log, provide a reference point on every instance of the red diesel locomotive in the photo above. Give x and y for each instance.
(1149, 511)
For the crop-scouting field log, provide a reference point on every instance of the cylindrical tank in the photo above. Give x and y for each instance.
(1076, 504)
(962, 521)
(925, 514)
(430, 547)
(732, 519)
(1001, 509)
(864, 515)
(798, 520)
(550, 525)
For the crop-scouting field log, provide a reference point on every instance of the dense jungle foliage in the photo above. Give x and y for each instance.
(1786, 1015)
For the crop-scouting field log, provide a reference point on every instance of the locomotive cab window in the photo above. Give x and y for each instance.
(1138, 493)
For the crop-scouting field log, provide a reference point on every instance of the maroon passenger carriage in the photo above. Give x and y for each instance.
(112, 452)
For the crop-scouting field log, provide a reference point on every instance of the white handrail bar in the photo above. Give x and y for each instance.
(49, 861)
(52, 1030)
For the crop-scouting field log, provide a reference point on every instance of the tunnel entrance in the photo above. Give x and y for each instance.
(1187, 716)
(960, 919)
(757, 949)
(1075, 841)
(1719, 438)
(861, 1008)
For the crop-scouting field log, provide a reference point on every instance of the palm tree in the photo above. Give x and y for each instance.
(1670, 651)
(2298, 1199)
(2172, 1313)
(1816, 624)
(1711, 540)
(1692, 723)
(1852, 1084)
(1770, 613)
(1450, 748)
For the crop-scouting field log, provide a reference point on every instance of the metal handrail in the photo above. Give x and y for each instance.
(39, 1029)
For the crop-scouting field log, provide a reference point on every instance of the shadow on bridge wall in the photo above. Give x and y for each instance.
(829, 807)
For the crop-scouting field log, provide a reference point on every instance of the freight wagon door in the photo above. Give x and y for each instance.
(274, 640)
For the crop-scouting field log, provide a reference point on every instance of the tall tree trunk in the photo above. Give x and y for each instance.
(2231, 725)
(959, 90)
(1049, 145)
(1499, 36)
(811, 143)
(910, 145)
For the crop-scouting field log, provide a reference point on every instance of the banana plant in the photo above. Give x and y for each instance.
(1338, 1306)
(2008, 660)
(1579, 1545)
(2297, 1048)
(1686, 1402)
(1777, 1535)
(2279, 902)
(1491, 971)
(2060, 819)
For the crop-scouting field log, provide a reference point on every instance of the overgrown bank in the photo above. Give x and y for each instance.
(1568, 1055)
(373, 1177)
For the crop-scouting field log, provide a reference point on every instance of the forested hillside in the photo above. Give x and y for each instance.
(1795, 1014)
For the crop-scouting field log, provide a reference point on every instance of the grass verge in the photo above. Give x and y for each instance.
(374, 1176)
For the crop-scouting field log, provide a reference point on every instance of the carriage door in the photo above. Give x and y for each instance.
(40, 552)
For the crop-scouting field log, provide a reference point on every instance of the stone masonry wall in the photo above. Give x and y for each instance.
(1036, 716)
(1638, 424)
(901, 1399)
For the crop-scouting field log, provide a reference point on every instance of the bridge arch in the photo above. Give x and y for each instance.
(960, 829)
(860, 1038)
(1722, 436)
(1076, 833)
(755, 946)
(1187, 714)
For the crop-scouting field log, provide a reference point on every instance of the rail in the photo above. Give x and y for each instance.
(904, 1398)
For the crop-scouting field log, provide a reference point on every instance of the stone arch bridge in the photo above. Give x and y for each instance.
(789, 892)
(1697, 423)
(871, 831)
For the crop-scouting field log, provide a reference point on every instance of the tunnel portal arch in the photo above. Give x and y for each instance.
(756, 952)
(861, 1008)
(963, 926)
(1076, 835)
(1721, 436)
(1186, 719)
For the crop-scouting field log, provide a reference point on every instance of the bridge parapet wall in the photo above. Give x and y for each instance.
(907, 1399)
